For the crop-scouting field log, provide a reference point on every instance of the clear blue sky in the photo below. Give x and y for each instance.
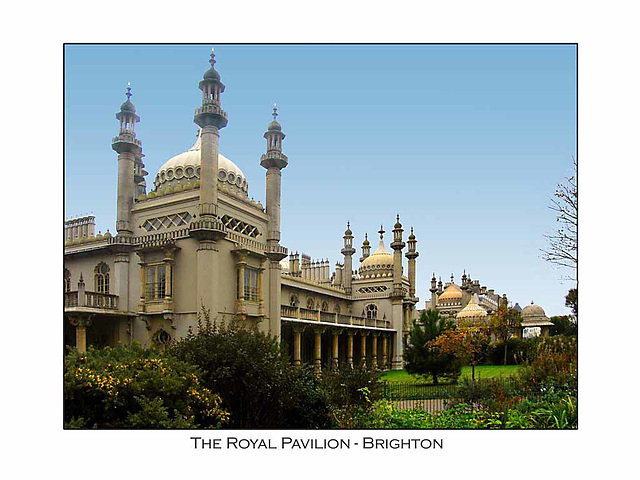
(466, 143)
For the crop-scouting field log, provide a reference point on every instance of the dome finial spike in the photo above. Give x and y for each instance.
(275, 111)
(212, 60)
(129, 90)
(348, 224)
(452, 278)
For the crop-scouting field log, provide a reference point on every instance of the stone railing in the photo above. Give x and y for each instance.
(160, 239)
(91, 300)
(288, 311)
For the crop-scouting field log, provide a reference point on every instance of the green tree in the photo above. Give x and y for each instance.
(571, 301)
(504, 324)
(258, 386)
(419, 358)
(136, 387)
(467, 343)
(563, 325)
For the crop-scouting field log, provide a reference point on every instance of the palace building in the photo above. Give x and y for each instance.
(197, 241)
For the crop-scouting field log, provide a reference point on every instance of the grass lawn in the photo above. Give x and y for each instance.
(482, 371)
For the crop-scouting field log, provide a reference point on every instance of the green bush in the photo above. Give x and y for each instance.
(258, 387)
(519, 351)
(350, 393)
(134, 387)
(554, 365)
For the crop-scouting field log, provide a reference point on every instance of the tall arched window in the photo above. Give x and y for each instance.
(102, 278)
(67, 280)
(336, 309)
(371, 311)
(294, 301)
(325, 306)
(311, 304)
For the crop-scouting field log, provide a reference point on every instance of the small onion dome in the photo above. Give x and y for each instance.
(366, 241)
(274, 125)
(348, 230)
(472, 310)
(211, 74)
(451, 292)
(398, 224)
(107, 234)
(412, 236)
(128, 107)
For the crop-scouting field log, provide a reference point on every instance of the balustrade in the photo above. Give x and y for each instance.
(91, 300)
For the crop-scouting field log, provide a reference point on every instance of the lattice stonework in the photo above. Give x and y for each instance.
(376, 289)
(240, 227)
(167, 221)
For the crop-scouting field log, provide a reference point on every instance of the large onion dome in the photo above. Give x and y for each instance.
(185, 167)
(378, 264)
(473, 310)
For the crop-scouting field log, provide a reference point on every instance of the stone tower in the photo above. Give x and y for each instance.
(128, 148)
(411, 255)
(366, 249)
(348, 252)
(207, 228)
(274, 161)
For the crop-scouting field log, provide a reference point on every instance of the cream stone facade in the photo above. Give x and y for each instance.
(196, 240)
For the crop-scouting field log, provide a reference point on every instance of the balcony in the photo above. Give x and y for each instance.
(89, 301)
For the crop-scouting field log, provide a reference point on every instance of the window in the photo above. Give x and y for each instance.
(294, 301)
(251, 285)
(67, 280)
(325, 306)
(371, 311)
(102, 278)
(311, 304)
(156, 282)
(336, 309)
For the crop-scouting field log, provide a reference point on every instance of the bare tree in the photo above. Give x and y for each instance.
(562, 247)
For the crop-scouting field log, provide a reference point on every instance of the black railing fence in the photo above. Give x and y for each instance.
(437, 397)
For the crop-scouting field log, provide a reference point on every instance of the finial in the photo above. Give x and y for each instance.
(365, 236)
(452, 278)
(81, 280)
(212, 61)
(129, 90)
(397, 217)
(275, 111)
(411, 230)
(348, 225)
(381, 231)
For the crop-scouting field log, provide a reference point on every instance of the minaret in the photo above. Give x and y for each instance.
(210, 118)
(433, 290)
(138, 176)
(128, 148)
(411, 255)
(207, 228)
(348, 251)
(366, 248)
(397, 246)
(274, 161)
(439, 285)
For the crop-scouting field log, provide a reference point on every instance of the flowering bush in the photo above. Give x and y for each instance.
(134, 387)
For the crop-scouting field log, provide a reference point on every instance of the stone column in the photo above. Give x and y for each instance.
(350, 335)
(168, 270)
(143, 282)
(261, 289)
(275, 294)
(385, 352)
(363, 349)
(126, 190)
(297, 334)
(121, 280)
(334, 351)
(81, 325)
(209, 137)
(240, 301)
(317, 361)
(207, 277)
(397, 322)
(374, 351)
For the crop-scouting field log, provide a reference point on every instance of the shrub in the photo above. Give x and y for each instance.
(554, 364)
(351, 392)
(519, 351)
(134, 387)
(258, 387)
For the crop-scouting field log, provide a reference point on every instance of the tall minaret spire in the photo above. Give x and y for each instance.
(206, 227)
(210, 118)
(274, 161)
(366, 248)
(397, 246)
(411, 255)
(348, 252)
(129, 148)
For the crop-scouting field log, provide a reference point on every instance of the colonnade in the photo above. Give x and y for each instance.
(333, 347)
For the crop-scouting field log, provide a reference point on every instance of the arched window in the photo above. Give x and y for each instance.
(102, 278)
(336, 309)
(67, 280)
(325, 306)
(311, 304)
(371, 311)
(294, 301)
